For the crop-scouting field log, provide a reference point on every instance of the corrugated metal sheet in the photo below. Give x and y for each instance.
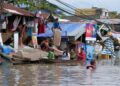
(68, 29)
(15, 10)
(110, 21)
(81, 12)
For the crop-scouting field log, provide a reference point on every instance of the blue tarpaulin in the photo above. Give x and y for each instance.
(68, 29)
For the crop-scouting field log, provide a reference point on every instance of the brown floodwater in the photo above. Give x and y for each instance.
(106, 74)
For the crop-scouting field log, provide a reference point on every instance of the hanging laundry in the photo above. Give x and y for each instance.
(57, 37)
(15, 23)
(29, 36)
(24, 20)
(1, 40)
(34, 40)
(41, 26)
(108, 47)
(89, 30)
(29, 31)
(94, 30)
(10, 23)
(0, 26)
(4, 25)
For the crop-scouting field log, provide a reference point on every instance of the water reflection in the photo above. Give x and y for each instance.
(56, 75)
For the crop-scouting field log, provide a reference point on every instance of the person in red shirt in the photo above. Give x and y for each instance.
(81, 55)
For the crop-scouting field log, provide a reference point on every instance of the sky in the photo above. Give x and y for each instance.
(111, 5)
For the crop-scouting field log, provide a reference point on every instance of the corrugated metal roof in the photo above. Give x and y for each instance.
(109, 21)
(15, 10)
(68, 29)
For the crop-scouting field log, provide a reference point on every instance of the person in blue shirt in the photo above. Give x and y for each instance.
(56, 25)
(90, 53)
(29, 35)
(56, 29)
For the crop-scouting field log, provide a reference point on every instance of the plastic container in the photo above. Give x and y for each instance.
(6, 50)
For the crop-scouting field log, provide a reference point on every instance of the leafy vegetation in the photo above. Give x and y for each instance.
(114, 14)
(33, 4)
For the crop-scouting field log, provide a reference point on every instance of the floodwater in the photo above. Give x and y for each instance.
(106, 74)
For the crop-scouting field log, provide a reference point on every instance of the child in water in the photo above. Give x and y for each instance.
(66, 54)
(92, 65)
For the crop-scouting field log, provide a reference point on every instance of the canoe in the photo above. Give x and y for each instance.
(58, 61)
(48, 61)
(15, 60)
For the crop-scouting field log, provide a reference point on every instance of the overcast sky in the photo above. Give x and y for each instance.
(111, 5)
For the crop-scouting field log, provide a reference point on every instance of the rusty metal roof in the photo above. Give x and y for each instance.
(15, 10)
(109, 21)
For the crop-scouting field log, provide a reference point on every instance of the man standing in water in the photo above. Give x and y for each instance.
(89, 53)
(90, 69)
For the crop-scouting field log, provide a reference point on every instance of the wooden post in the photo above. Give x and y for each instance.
(1, 41)
(1, 11)
(16, 41)
(35, 26)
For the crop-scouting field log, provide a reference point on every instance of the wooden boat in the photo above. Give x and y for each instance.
(47, 61)
(15, 60)
(58, 61)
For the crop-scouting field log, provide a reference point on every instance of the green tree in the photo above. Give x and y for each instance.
(113, 14)
(33, 4)
(118, 16)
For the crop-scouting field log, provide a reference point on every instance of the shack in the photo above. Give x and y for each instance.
(13, 16)
(71, 32)
(112, 24)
